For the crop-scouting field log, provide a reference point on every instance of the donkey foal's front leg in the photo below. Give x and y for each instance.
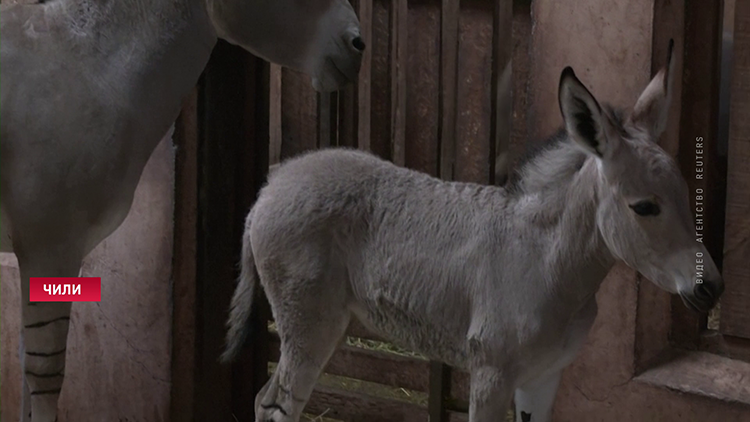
(491, 393)
(535, 399)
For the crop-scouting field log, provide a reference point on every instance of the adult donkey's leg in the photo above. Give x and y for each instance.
(25, 393)
(45, 329)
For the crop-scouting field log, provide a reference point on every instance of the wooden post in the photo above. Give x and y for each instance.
(364, 84)
(440, 374)
(184, 261)
(699, 118)
(501, 98)
(448, 85)
(399, 33)
(221, 162)
(250, 372)
(440, 391)
(735, 315)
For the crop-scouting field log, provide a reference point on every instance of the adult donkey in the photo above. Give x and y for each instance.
(498, 281)
(89, 88)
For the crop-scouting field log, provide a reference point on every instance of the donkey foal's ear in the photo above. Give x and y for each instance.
(651, 110)
(582, 114)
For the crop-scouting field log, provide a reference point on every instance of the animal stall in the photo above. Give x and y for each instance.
(430, 97)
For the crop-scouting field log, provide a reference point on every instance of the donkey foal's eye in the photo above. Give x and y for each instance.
(646, 208)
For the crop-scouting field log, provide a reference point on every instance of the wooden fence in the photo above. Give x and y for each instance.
(430, 97)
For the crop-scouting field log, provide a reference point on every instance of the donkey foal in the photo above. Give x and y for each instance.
(499, 281)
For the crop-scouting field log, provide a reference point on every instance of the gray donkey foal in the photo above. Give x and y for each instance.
(498, 281)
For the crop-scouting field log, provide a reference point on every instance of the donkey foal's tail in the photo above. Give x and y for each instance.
(242, 301)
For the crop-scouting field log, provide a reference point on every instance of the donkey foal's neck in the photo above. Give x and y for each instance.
(563, 185)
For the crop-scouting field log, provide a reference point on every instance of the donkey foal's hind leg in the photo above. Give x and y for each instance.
(311, 324)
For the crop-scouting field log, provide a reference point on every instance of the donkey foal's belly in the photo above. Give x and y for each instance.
(414, 332)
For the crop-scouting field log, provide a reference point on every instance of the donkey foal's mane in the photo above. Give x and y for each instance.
(536, 154)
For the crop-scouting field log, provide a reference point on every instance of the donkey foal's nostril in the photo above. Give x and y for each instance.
(358, 43)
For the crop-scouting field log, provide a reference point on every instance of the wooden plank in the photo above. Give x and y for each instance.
(399, 31)
(326, 120)
(250, 371)
(385, 368)
(274, 153)
(380, 73)
(459, 379)
(346, 114)
(423, 80)
(357, 407)
(449, 16)
(346, 117)
(448, 81)
(346, 107)
(299, 114)
(653, 313)
(233, 156)
(521, 65)
(501, 85)
(364, 84)
(473, 99)
(699, 118)
(358, 363)
(735, 312)
(184, 261)
(221, 109)
(440, 390)
(459, 386)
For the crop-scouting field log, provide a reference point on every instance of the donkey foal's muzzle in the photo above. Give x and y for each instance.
(704, 296)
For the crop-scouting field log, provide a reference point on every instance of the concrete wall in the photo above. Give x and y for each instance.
(118, 367)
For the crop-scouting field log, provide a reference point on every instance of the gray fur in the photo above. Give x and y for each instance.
(495, 281)
(89, 88)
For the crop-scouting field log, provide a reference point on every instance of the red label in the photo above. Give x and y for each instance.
(65, 289)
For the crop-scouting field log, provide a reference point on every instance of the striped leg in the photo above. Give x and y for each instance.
(25, 394)
(44, 334)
